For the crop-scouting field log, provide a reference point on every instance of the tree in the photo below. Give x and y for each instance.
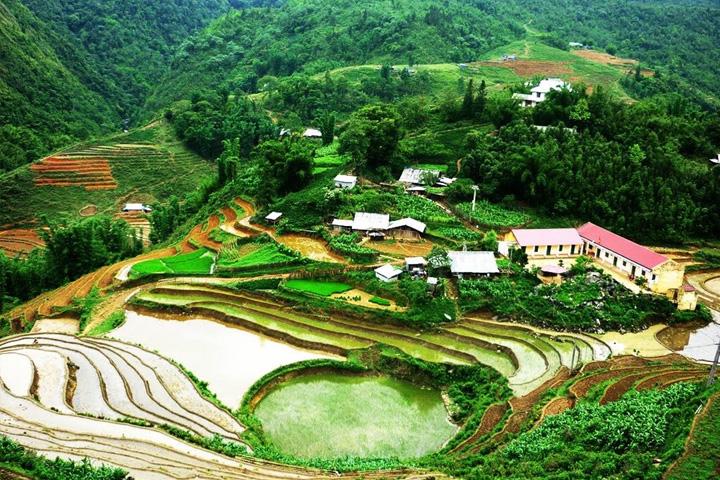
(490, 241)
(327, 125)
(481, 99)
(519, 257)
(372, 136)
(438, 261)
(467, 110)
(286, 166)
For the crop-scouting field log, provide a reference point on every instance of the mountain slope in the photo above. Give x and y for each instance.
(39, 94)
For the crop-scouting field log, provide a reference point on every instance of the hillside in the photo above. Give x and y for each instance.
(143, 166)
(43, 102)
(74, 70)
(245, 49)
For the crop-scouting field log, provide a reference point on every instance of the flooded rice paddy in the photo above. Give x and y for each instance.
(229, 359)
(334, 415)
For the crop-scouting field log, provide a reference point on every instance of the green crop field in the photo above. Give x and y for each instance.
(321, 416)
(320, 288)
(492, 215)
(199, 262)
(269, 254)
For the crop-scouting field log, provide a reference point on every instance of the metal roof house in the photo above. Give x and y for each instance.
(413, 176)
(406, 227)
(136, 207)
(371, 222)
(345, 181)
(387, 273)
(273, 217)
(312, 133)
(464, 264)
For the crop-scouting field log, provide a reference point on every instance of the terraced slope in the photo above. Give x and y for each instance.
(110, 380)
(528, 359)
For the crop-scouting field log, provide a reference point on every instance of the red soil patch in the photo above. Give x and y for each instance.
(604, 58)
(492, 417)
(530, 68)
(92, 173)
(247, 206)
(203, 237)
(557, 406)
(229, 214)
(19, 241)
(402, 247)
(89, 211)
(310, 247)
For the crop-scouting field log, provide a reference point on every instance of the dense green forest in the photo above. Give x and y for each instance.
(73, 70)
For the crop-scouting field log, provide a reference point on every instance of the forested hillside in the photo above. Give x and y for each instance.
(310, 36)
(70, 70)
(44, 101)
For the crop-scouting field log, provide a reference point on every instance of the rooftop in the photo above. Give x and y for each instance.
(346, 178)
(388, 271)
(413, 175)
(338, 222)
(634, 252)
(273, 216)
(550, 84)
(528, 237)
(371, 221)
(415, 261)
(473, 262)
(407, 222)
(311, 132)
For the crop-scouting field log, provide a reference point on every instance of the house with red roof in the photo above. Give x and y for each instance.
(546, 242)
(663, 275)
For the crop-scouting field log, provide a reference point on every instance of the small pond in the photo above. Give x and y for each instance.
(334, 415)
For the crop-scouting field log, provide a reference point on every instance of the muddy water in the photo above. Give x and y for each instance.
(703, 343)
(229, 359)
(713, 285)
(340, 415)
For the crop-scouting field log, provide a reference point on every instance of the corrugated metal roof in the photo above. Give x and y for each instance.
(338, 222)
(346, 178)
(273, 216)
(529, 237)
(473, 262)
(634, 252)
(371, 221)
(415, 261)
(412, 175)
(388, 271)
(550, 84)
(313, 133)
(408, 222)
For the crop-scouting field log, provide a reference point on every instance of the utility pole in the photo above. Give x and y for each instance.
(714, 366)
(475, 190)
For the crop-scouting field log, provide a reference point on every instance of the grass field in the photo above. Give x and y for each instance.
(320, 288)
(199, 262)
(493, 215)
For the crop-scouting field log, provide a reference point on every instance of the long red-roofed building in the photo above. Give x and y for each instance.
(662, 273)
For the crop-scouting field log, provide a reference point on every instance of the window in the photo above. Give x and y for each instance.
(653, 277)
(642, 273)
(572, 249)
(537, 249)
(624, 263)
(560, 248)
(607, 254)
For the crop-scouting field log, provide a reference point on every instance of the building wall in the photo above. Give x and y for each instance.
(404, 233)
(669, 275)
(556, 251)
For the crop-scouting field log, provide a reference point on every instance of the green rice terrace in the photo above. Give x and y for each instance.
(233, 352)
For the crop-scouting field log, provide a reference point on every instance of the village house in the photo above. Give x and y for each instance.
(406, 228)
(378, 225)
(136, 207)
(417, 176)
(415, 264)
(545, 242)
(273, 217)
(312, 133)
(470, 264)
(664, 276)
(538, 94)
(345, 181)
(387, 273)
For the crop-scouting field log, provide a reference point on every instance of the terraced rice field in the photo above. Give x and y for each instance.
(199, 262)
(319, 415)
(203, 345)
(19, 241)
(93, 173)
(527, 358)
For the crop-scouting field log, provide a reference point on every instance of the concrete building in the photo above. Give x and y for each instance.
(345, 181)
(545, 242)
(664, 276)
(538, 94)
(387, 273)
